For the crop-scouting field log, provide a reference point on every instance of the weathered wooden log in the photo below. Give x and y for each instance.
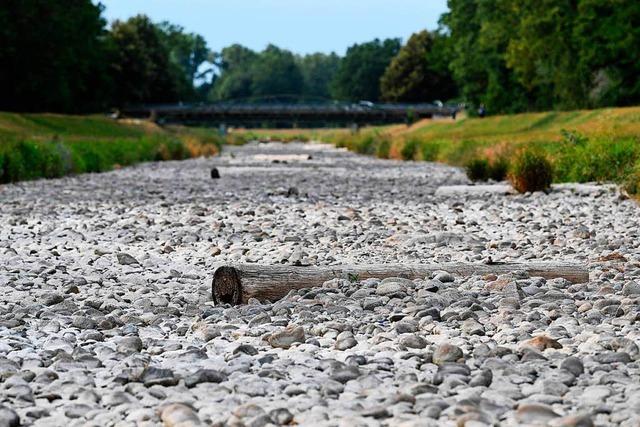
(474, 190)
(237, 284)
(282, 158)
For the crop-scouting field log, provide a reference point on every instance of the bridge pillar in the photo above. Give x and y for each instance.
(355, 128)
(222, 129)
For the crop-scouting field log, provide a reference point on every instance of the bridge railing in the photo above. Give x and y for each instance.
(360, 113)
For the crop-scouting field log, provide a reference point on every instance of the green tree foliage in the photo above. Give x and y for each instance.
(480, 32)
(517, 55)
(275, 72)
(318, 70)
(188, 50)
(235, 79)
(608, 33)
(411, 77)
(245, 73)
(51, 56)
(358, 77)
(141, 64)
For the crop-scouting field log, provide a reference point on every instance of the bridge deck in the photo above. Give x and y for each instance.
(339, 113)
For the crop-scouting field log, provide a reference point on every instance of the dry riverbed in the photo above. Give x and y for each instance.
(106, 317)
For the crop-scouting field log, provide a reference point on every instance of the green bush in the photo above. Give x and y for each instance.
(596, 160)
(410, 149)
(366, 144)
(24, 160)
(2, 161)
(384, 148)
(430, 151)
(632, 182)
(477, 169)
(531, 171)
(498, 169)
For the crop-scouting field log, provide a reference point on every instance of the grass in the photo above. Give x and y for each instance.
(591, 145)
(36, 146)
(588, 145)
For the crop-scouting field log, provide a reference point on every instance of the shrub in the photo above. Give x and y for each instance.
(430, 151)
(531, 171)
(596, 160)
(2, 173)
(384, 148)
(498, 169)
(14, 169)
(477, 169)
(366, 144)
(409, 149)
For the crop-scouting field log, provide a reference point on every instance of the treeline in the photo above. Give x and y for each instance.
(510, 55)
(59, 56)
(528, 55)
(62, 57)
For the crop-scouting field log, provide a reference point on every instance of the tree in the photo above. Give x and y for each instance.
(517, 55)
(245, 73)
(275, 72)
(358, 77)
(318, 70)
(141, 65)
(53, 56)
(235, 80)
(608, 33)
(412, 77)
(189, 51)
(543, 54)
(480, 31)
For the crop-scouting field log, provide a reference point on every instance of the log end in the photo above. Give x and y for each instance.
(226, 286)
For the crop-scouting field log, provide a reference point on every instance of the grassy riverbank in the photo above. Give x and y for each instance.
(590, 145)
(48, 146)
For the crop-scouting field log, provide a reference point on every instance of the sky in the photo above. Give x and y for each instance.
(302, 26)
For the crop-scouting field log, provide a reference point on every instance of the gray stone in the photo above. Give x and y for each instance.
(287, 337)
(390, 289)
(631, 289)
(204, 376)
(281, 416)
(52, 298)
(8, 417)
(179, 415)
(412, 341)
(573, 365)
(155, 376)
(346, 373)
(447, 353)
(126, 259)
(129, 345)
(535, 414)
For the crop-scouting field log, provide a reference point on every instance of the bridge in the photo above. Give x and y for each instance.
(289, 114)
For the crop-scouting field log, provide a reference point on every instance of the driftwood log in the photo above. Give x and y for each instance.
(237, 284)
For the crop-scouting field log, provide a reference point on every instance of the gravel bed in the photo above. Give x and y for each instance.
(106, 317)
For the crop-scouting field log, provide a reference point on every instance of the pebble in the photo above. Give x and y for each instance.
(631, 289)
(573, 365)
(179, 415)
(8, 417)
(126, 259)
(447, 353)
(204, 376)
(535, 414)
(106, 316)
(287, 337)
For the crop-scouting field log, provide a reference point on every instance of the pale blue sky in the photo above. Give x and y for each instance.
(302, 26)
